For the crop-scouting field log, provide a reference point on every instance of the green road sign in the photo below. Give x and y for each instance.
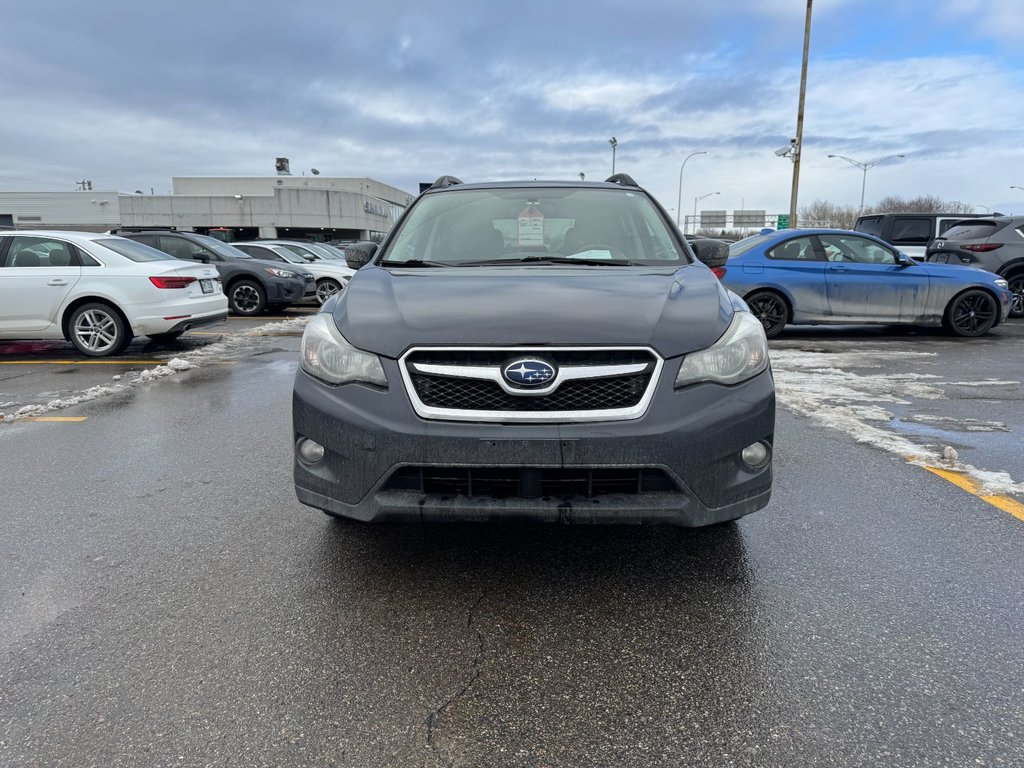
(783, 221)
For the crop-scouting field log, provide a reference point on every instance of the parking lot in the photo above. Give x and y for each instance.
(166, 600)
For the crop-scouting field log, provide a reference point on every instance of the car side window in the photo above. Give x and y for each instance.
(29, 251)
(797, 249)
(180, 248)
(859, 250)
(85, 259)
(911, 230)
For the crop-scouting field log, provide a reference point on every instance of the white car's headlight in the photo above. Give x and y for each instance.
(740, 354)
(279, 272)
(327, 356)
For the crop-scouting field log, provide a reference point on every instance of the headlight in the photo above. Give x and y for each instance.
(327, 356)
(741, 353)
(279, 272)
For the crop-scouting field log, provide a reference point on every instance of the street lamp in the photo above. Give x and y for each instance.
(697, 200)
(1014, 186)
(614, 142)
(582, 176)
(679, 199)
(864, 167)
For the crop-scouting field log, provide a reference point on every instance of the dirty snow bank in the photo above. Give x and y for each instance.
(229, 346)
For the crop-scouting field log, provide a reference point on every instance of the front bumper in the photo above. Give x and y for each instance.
(693, 437)
(287, 290)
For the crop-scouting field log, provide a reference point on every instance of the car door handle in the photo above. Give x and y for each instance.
(838, 267)
(58, 281)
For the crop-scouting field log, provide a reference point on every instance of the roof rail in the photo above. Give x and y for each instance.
(623, 179)
(445, 181)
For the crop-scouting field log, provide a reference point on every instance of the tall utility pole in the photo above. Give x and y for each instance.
(864, 167)
(679, 200)
(798, 147)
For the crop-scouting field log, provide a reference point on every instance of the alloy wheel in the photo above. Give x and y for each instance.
(1017, 295)
(96, 331)
(973, 314)
(770, 310)
(246, 298)
(325, 289)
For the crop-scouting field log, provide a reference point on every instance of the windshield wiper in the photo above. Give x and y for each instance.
(548, 260)
(415, 263)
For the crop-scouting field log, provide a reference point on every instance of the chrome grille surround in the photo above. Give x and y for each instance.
(493, 373)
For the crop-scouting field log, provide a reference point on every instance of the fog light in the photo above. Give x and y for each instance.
(309, 451)
(755, 455)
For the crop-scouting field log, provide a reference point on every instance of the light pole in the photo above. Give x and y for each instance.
(1014, 186)
(864, 167)
(697, 200)
(582, 176)
(614, 142)
(798, 142)
(679, 199)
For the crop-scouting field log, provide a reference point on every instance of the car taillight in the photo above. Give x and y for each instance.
(172, 282)
(719, 272)
(982, 247)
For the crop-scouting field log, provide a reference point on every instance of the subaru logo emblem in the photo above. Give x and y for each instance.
(529, 373)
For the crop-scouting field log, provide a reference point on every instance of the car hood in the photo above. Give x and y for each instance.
(957, 272)
(673, 311)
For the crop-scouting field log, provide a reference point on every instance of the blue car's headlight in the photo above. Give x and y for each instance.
(326, 355)
(740, 354)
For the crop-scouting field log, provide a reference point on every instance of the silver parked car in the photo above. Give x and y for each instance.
(331, 276)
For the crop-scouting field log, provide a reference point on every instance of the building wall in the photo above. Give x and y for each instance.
(88, 211)
(266, 185)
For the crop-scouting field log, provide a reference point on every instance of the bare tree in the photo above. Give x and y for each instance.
(919, 204)
(822, 213)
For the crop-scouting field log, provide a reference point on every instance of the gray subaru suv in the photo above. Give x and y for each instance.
(547, 350)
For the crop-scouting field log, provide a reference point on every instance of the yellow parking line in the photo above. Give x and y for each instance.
(74, 419)
(211, 333)
(82, 362)
(999, 501)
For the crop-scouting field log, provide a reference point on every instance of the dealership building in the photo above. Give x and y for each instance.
(230, 207)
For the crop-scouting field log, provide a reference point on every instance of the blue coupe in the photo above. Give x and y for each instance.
(818, 276)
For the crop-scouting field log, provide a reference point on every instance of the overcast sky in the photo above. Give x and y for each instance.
(129, 94)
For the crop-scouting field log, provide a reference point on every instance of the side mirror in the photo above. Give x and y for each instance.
(203, 257)
(713, 253)
(358, 255)
(903, 259)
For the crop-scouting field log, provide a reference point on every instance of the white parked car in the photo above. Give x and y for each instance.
(99, 291)
(332, 275)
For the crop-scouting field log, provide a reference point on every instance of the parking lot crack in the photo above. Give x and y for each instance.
(476, 665)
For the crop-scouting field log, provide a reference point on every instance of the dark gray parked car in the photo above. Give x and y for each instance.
(252, 286)
(537, 349)
(995, 244)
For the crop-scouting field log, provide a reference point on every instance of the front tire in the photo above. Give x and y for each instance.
(247, 298)
(326, 288)
(972, 313)
(1016, 282)
(98, 330)
(771, 309)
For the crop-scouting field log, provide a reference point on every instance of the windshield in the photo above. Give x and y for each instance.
(284, 253)
(480, 227)
(301, 250)
(744, 245)
(133, 250)
(221, 248)
(331, 251)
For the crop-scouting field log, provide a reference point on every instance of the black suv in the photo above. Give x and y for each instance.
(251, 285)
(538, 349)
(909, 232)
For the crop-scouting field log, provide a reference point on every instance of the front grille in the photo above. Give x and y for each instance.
(577, 395)
(590, 383)
(532, 482)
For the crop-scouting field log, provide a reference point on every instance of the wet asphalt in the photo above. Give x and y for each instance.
(165, 600)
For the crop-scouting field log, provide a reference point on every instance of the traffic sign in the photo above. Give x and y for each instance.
(783, 221)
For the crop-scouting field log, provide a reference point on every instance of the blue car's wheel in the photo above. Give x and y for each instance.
(771, 309)
(972, 313)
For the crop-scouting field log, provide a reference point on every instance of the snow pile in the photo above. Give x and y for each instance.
(228, 347)
(814, 384)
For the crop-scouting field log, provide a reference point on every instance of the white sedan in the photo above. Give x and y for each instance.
(332, 275)
(100, 291)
